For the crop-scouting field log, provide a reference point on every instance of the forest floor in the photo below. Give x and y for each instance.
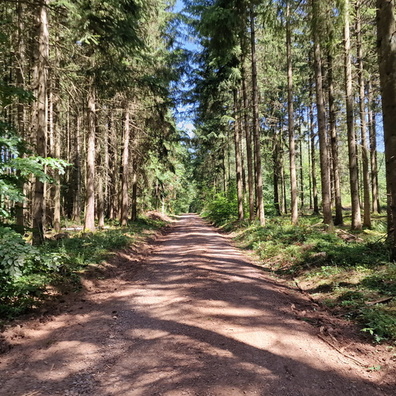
(189, 314)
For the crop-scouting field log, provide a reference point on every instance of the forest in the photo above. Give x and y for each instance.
(293, 145)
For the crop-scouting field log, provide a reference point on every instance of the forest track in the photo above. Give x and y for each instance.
(196, 317)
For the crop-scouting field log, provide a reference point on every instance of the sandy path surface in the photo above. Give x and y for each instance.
(197, 318)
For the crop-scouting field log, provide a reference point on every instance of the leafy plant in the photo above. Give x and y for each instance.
(380, 323)
(16, 256)
(221, 208)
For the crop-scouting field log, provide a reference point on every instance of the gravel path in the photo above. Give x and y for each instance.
(197, 318)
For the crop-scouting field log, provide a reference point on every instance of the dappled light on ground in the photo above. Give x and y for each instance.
(197, 319)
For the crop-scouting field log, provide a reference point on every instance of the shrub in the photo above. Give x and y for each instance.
(23, 272)
(221, 208)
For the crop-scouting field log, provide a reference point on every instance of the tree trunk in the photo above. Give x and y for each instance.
(313, 154)
(301, 172)
(40, 119)
(100, 172)
(276, 150)
(89, 224)
(238, 157)
(256, 126)
(363, 123)
(352, 151)
(134, 195)
(290, 112)
(373, 150)
(57, 154)
(125, 168)
(386, 30)
(77, 173)
(321, 115)
(338, 220)
(248, 138)
(21, 61)
(101, 196)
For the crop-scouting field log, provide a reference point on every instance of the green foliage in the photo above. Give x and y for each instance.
(18, 163)
(383, 280)
(23, 270)
(379, 322)
(26, 271)
(16, 170)
(222, 208)
(16, 256)
(344, 275)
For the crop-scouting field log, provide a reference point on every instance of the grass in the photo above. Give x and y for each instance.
(348, 272)
(63, 261)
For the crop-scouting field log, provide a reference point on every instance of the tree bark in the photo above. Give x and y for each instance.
(386, 31)
(89, 223)
(134, 195)
(256, 126)
(373, 150)
(290, 112)
(125, 168)
(352, 151)
(363, 123)
(20, 70)
(301, 166)
(313, 154)
(77, 172)
(321, 116)
(57, 154)
(338, 220)
(277, 161)
(249, 149)
(40, 119)
(100, 175)
(238, 157)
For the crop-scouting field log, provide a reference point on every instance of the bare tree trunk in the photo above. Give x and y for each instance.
(386, 31)
(125, 168)
(363, 123)
(373, 150)
(301, 173)
(40, 120)
(334, 145)
(313, 155)
(106, 167)
(57, 154)
(256, 126)
(20, 57)
(321, 115)
(290, 112)
(249, 150)
(276, 153)
(134, 195)
(89, 223)
(238, 157)
(353, 166)
(77, 172)
(100, 172)
(100, 199)
(309, 168)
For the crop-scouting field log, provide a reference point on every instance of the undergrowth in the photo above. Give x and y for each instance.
(27, 272)
(350, 273)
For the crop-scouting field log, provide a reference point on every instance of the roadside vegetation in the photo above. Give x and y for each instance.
(348, 272)
(30, 275)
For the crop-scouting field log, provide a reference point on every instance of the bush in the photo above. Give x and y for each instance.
(221, 209)
(16, 256)
(380, 322)
(23, 270)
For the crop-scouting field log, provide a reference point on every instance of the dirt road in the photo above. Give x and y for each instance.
(197, 318)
